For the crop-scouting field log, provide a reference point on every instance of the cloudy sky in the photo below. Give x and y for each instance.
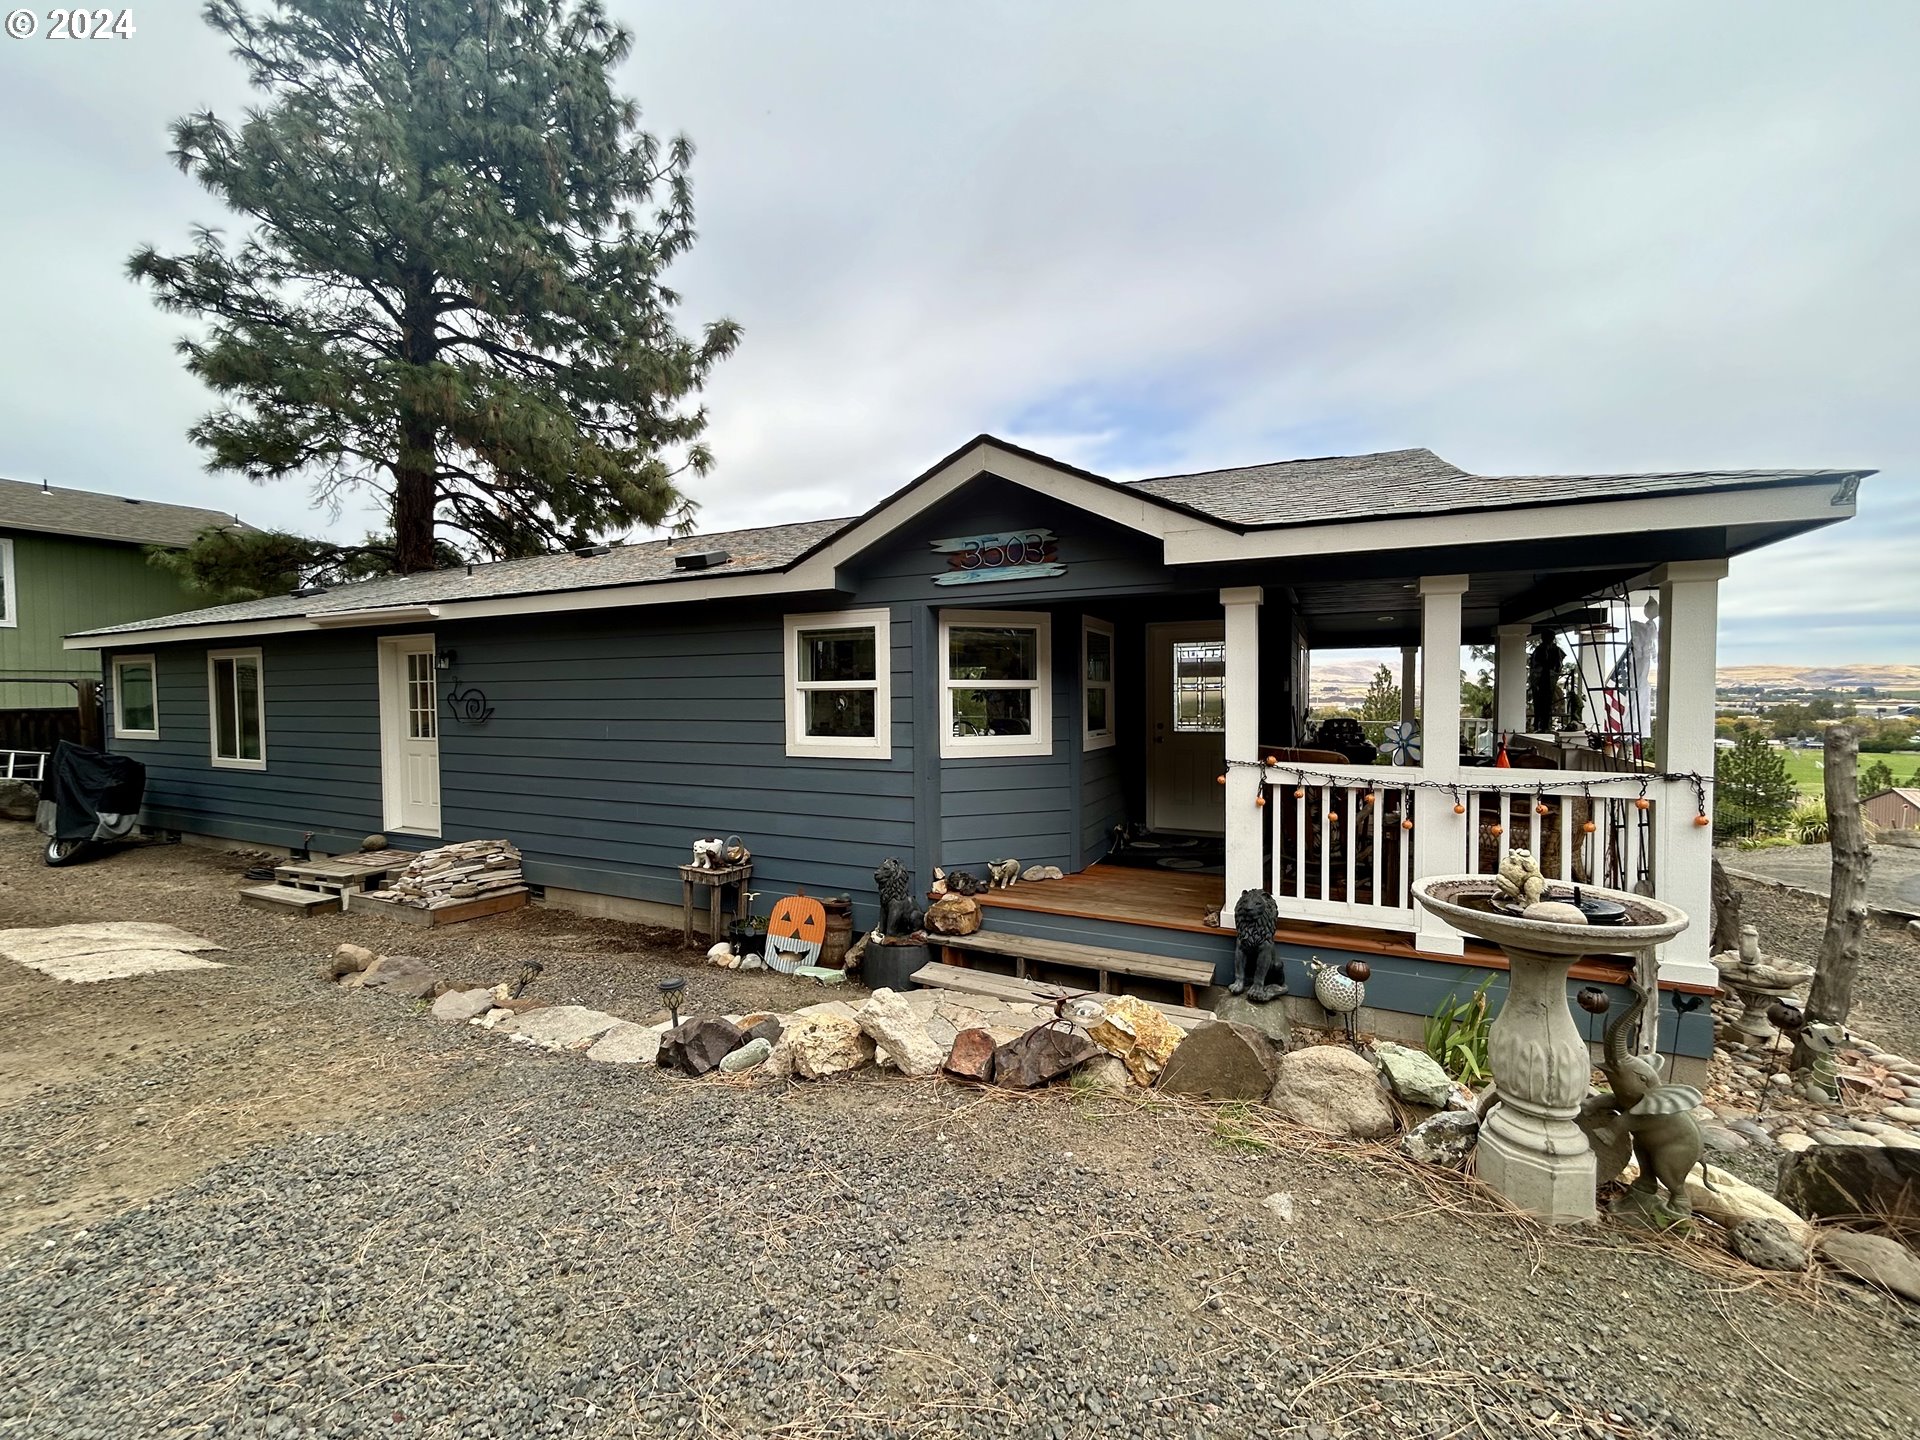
(1154, 237)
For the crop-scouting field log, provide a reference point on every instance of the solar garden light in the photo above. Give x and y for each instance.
(671, 990)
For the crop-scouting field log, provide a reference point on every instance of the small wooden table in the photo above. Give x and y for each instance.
(716, 882)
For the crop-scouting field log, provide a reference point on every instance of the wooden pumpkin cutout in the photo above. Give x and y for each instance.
(795, 932)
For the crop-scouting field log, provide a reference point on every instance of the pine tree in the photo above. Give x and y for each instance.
(1876, 779)
(1752, 790)
(449, 285)
(1382, 700)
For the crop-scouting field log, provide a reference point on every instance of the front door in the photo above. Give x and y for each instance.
(1186, 674)
(409, 735)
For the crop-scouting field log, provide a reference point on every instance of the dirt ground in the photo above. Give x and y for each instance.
(245, 1202)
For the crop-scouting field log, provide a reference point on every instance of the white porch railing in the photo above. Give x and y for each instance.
(1340, 842)
(23, 765)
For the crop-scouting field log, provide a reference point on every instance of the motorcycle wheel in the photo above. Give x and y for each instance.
(63, 852)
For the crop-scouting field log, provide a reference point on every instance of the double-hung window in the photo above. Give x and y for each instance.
(236, 706)
(838, 685)
(136, 709)
(1096, 683)
(996, 685)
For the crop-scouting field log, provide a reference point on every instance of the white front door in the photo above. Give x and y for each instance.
(1186, 713)
(409, 735)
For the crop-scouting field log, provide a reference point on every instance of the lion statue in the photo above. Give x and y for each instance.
(1255, 914)
(898, 915)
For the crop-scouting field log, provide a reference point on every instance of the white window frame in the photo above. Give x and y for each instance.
(840, 747)
(224, 762)
(121, 730)
(1040, 742)
(1091, 739)
(9, 592)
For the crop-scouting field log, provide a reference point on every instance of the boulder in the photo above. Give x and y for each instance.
(1270, 1019)
(1139, 1035)
(628, 1044)
(972, 1055)
(1331, 1089)
(1847, 1184)
(954, 915)
(754, 1052)
(767, 1029)
(459, 1006)
(559, 1027)
(373, 843)
(1443, 1139)
(816, 1046)
(1104, 1074)
(1043, 1054)
(1767, 1244)
(1413, 1075)
(1875, 1259)
(1729, 1201)
(347, 960)
(897, 1032)
(18, 801)
(1221, 1061)
(698, 1046)
(405, 975)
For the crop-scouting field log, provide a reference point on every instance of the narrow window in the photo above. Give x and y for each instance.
(1096, 683)
(9, 606)
(238, 710)
(998, 695)
(838, 685)
(136, 710)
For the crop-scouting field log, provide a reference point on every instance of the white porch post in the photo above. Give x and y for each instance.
(1439, 835)
(1510, 678)
(1409, 682)
(1245, 831)
(1683, 742)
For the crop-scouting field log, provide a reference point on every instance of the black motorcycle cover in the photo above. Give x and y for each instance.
(89, 794)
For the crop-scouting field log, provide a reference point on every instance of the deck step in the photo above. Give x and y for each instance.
(1103, 958)
(286, 897)
(1033, 992)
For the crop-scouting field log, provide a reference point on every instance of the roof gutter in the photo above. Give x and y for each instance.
(387, 615)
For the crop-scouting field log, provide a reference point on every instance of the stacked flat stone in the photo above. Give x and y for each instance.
(457, 873)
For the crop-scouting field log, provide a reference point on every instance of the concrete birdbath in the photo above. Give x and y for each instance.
(1531, 1151)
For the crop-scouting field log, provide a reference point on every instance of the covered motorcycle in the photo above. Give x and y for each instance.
(88, 796)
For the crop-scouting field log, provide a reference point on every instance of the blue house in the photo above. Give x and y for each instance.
(1010, 656)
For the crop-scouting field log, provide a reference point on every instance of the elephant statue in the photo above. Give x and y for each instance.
(1643, 1113)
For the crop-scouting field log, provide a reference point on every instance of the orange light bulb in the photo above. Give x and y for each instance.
(1301, 793)
(1702, 820)
(1642, 803)
(1496, 829)
(1260, 801)
(1589, 827)
(1459, 809)
(1221, 780)
(1406, 824)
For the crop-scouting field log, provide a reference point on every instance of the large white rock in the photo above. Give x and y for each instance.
(888, 1021)
(1329, 1088)
(459, 1006)
(1731, 1200)
(628, 1044)
(560, 1027)
(815, 1046)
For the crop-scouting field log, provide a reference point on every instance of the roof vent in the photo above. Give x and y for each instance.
(700, 559)
(308, 591)
(592, 552)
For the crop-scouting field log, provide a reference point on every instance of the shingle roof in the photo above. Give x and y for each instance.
(750, 552)
(1417, 482)
(51, 510)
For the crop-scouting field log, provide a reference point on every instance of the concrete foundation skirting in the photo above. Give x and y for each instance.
(613, 907)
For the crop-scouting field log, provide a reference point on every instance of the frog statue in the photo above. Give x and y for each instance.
(1654, 1118)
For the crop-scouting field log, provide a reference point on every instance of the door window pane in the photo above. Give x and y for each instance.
(1199, 685)
(422, 703)
(1008, 652)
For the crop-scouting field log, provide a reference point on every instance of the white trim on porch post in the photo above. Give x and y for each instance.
(1439, 835)
(1510, 678)
(1409, 682)
(1683, 742)
(1244, 827)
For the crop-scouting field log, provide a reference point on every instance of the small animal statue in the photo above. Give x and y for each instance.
(1341, 990)
(1005, 873)
(898, 915)
(1655, 1117)
(1820, 1081)
(964, 882)
(1255, 914)
(1520, 880)
(710, 854)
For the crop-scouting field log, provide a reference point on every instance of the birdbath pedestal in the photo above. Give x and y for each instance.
(1531, 1150)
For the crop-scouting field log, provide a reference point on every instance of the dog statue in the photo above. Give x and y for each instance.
(898, 914)
(710, 854)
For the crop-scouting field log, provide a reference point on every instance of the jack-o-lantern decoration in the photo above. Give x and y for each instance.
(795, 932)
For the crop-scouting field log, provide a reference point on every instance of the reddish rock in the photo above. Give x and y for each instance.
(698, 1046)
(972, 1056)
(1042, 1054)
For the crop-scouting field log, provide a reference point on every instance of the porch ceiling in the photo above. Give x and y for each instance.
(1386, 611)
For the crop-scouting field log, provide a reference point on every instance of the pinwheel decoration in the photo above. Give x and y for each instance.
(1402, 742)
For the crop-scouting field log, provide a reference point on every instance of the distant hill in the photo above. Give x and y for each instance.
(1343, 682)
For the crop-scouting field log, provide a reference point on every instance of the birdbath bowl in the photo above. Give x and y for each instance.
(1531, 1151)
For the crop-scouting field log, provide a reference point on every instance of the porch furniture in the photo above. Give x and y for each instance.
(1105, 962)
(1031, 992)
(716, 883)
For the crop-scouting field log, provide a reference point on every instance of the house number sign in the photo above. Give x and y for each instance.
(1015, 555)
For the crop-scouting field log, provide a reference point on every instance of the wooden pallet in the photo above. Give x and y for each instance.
(479, 907)
(337, 877)
(1032, 992)
(1190, 975)
(288, 900)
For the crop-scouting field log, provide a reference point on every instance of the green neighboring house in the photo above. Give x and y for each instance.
(73, 560)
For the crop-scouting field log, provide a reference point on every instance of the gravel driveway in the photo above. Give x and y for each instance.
(240, 1202)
